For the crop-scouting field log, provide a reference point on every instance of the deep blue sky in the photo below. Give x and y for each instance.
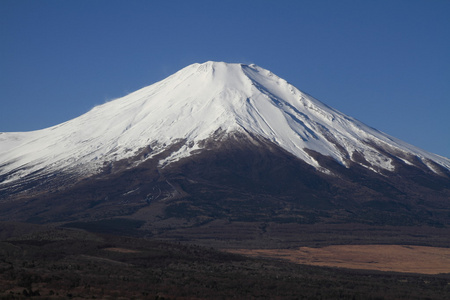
(384, 62)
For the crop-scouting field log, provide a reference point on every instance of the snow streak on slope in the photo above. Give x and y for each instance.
(191, 106)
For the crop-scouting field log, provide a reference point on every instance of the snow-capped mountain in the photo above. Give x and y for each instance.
(193, 105)
(219, 142)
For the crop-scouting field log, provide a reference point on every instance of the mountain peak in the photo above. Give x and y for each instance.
(212, 65)
(213, 75)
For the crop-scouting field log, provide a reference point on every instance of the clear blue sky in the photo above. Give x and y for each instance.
(384, 62)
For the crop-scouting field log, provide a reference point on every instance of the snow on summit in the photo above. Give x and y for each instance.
(191, 105)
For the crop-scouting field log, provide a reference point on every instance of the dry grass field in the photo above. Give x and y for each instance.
(395, 258)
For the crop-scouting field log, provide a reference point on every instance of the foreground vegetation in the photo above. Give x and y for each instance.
(48, 263)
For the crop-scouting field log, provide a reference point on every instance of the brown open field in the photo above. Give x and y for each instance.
(396, 258)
